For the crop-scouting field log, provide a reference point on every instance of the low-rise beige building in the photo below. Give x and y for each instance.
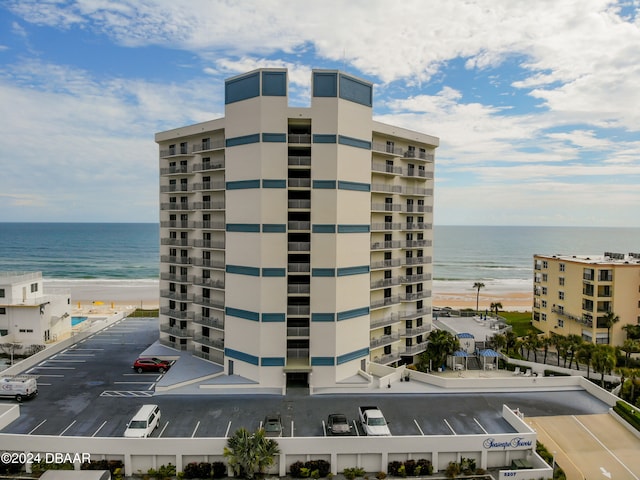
(574, 293)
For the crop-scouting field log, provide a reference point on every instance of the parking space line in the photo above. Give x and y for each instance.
(99, 428)
(40, 384)
(152, 386)
(70, 425)
(450, 427)
(141, 381)
(324, 429)
(37, 426)
(292, 428)
(476, 420)
(88, 349)
(226, 434)
(195, 429)
(67, 361)
(162, 431)
(419, 429)
(47, 375)
(53, 368)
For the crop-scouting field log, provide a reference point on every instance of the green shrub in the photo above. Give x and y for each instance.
(352, 473)
(218, 470)
(197, 470)
(630, 414)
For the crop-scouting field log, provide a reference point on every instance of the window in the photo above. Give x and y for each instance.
(34, 287)
(543, 317)
(3, 311)
(1, 292)
(545, 264)
(562, 266)
(560, 295)
(387, 350)
(561, 281)
(560, 323)
(544, 304)
(544, 290)
(545, 277)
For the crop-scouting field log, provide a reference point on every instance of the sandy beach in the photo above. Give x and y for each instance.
(145, 294)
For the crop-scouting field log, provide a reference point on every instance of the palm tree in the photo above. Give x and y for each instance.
(496, 306)
(510, 339)
(250, 453)
(633, 331)
(585, 355)
(630, 346)
(604, 360)
(440, 343)
(609, 320)
(478, 286)
(545, 343)
(532, 342)
(498, 341)
(573, 344)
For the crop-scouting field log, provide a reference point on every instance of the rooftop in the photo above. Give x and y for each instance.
(608, 258)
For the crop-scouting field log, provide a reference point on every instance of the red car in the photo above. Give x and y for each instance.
(151, 365)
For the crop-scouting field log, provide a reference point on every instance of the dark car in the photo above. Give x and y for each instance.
(337, 424)
(151, 365)
(272, 425)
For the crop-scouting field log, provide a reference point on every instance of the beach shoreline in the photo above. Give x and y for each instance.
(145, 294)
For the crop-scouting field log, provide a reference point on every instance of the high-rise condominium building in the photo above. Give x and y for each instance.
(296, 243)
(574, 293)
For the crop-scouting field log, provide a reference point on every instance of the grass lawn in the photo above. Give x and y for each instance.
(521, 323)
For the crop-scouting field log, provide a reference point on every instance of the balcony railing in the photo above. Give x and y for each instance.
(386, 359)
(209, 341)
(417, 209)
(180, 224)
(203, 167)
(297, 353)
(299, 160)
(210, 145)
(412, 332)
(209, 244)
(300, 288)
(179, 296)
(416, 278)
(567, 316)
(298, 309)
(209, 282)
(298, 267)
(385, 321)
(413, 349)
(175, 345)
(412, 314)
(390, 169)
(299, 182)
(390, 149)
(385, 302)
(301, 203)
(385, 245)
(176, 242)
(211, 322)
(176, 169)
(385, 282)
(210, 225)
(214, 356)
(416, 260)
(209, 302)
(181, 314)
(386, 207)
(175, 259)
(174, 277)
(208, 263)
(298, 331)
(417, 172)
(179, 187)
(176, 331)
(416, 226)
(409, 297)
(383, 340)
(385, 226)
(208, 186)
(304, 138)
(416, 243)
(179, 206)
(419, 155)
(209, 205)
(297, 225)
(383, 187)
(394, 262)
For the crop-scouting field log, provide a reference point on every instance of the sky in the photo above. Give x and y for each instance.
(535, 103)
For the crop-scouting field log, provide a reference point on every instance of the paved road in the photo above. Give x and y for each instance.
(91, 390)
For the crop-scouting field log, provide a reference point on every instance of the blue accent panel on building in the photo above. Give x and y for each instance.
(353, 228)
(274, 84)
(274, 137)
(323, 317)
(246, 314)
(273, 272)
(325, 84)
(243, 184)
(357, 186)
(274, 228)
(273, 317)
(356, 90)
(347, 357)
(243, 357)
(323, 361)
(243, 140)
(325, 184)
(323, 272)
(357, 312)
(242, 270)
(354, 142)
(267, 183)
(272, 362)
(243, 227)
(359, 270)
(242, 88)
(324, 138)
(320, 228)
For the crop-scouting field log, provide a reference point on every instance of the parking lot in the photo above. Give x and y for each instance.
(90, 389)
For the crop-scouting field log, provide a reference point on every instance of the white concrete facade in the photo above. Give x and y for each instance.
(296, 243)
(28, 316)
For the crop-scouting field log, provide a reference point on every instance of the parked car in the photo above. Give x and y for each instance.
(272, 425)
(151, 365)
(337, 424)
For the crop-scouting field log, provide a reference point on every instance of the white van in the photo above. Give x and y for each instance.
(18, 387)
(143, 422)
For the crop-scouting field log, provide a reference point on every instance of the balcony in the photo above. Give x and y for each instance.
(209, 282)
(197, 186)
(385, 302)
(209, 341)
(387, 359)
(416, 243)
(299, 138)
(179, 296)
(177, 346)
(176, 170)
(415, 278)
(385, 148)
(385, 245)
(385, 321)
(218, 245)
(413, 314)
(207, 166)
(208, 263)
(410, 297)
(299, 288)
(383, 340)
(299, 183)
(416, 226)
(394, 262)
(175, 259)
(416, 191)
(176, 331)
(428, 157)
(299, 246)
(299, 161)
(209, 302)
(417, 173)
(177, 206)
(296, 225)
(209, 205)
(215, 356)
(208, 145)
(385, 226)
(211, 322)
(386, 207)
(386, 169)
(412, 332)
(210, 225)
(299, 204)
(298, 267)
(175, 188)
(414, 349)
(567, 316)
(383, 187)
(298, 310)
(417, 209)
(176, 151)
(175, 242)
(174, 277)
(181, 314)
(416, 260)
(385, 282)
(298, 353)
(298, 331)
(179, 224)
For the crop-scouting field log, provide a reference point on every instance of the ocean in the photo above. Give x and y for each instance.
(500, 257)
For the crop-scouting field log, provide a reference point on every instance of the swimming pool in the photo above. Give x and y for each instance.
(77, 320)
